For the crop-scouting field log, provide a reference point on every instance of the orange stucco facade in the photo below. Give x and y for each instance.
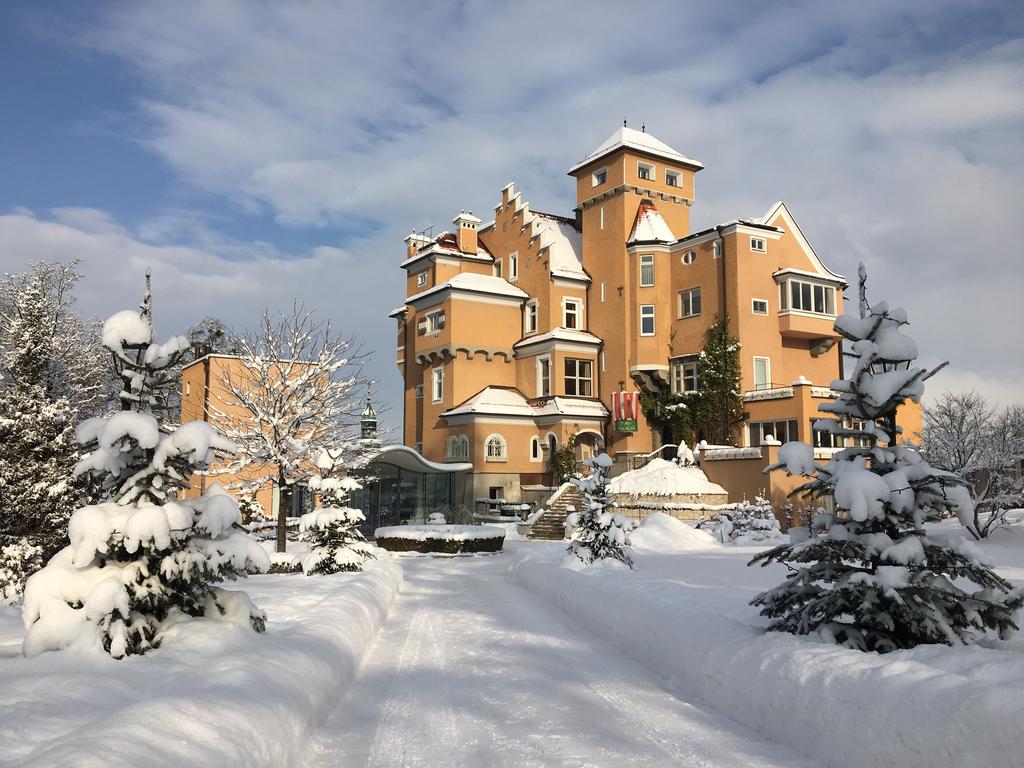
(515, 332)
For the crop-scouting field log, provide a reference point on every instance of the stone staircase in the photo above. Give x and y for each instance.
(551, 524)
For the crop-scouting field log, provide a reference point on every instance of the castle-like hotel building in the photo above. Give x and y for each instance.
(515, 333)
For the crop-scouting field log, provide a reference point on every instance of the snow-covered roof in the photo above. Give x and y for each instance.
(446, 244)
(638, 140)
(473, 283)
(494, 400)
(507, 401)
(649, 226)
(564, 245)
(398, 311)
(559, 334)
(664, 478)
(409, 458)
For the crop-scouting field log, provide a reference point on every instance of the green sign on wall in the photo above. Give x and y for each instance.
(625, 425)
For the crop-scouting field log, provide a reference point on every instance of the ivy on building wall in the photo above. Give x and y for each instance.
(713, 412)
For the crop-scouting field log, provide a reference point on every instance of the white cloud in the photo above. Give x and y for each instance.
(892, 130)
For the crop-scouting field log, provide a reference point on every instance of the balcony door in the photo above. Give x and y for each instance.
(762, 373)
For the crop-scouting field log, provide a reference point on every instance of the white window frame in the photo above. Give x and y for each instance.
(435, 322)
(644, 314)
(687, 302)
(716, 249)
(578, 304)
(647, 260)
(456, 448)
(437, 385)
(536, 452)
(530, 315)
(792, 425)
(674, 179)
(828, 292)
(767, 372)
(595, 177)
(758, 245)
(542, 390)
(513, 266)
(652, 172)
(496, 268)
(682, 370)
(501, 443)
(577, 376)
(754, 303)
(689, 257)
(421, 279)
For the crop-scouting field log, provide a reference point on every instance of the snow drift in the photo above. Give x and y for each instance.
(664, 478)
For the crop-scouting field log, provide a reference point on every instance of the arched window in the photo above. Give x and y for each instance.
(552, 443)
(496, 448)
(535, 451)
(457, 448)
(463, 447)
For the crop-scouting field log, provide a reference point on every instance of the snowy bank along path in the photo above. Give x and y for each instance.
(472, 670)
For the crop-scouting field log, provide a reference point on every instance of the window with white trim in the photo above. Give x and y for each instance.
(530, 317)
(758, 244)
(684, 375)
(599, 177)
(513, 266)
(543, 376)
(784, 430)
(579, 377)
(672, 179)
(536, 454)
(496, 268)
(716, 248)
(435, 321)
(646, 270)
(496, 449)
(419, 391)
(421, 279)
(689, 257)
(762, 373)
(809, 297)
(572, 313)
(759, 306)
(689, 302)
(437, 385)
(645, 171)
(457, 448)
(646, 319)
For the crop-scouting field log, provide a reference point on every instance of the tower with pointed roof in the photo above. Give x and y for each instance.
(517, 333)
(368, 425)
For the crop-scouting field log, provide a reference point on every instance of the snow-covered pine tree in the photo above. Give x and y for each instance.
(876, 580)
(143, 559)
(598, 533)
(37, 447)
(332, 529)
(745, 524)
(720, 406)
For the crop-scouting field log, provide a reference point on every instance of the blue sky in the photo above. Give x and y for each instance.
(252, 152)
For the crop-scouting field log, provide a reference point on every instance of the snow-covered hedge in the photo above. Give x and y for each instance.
(445, 539)
(218, 695)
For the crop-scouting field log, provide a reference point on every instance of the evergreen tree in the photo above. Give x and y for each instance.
(598, 533)
(745, 524)
(718, 368)
(142, 559)
(876, 580)
(332, 529)
(37, 447)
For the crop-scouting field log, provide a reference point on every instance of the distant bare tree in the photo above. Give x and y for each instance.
(297, 387)
(964, 434)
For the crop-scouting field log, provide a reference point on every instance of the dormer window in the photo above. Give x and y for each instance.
(672, 179)
(599, 177)
(496, 268)
(530, 317)
(758, 244)
(421, 279)
(645, 171)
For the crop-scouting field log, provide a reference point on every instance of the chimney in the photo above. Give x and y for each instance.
(465, 231)
(414, 242)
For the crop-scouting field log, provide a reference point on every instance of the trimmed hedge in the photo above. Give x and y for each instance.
(442, 545)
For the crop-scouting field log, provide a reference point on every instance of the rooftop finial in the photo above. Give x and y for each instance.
(643, 127)
(623, 122)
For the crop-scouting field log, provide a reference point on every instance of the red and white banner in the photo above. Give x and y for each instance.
(625, 405)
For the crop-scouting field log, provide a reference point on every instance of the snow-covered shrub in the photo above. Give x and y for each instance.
(436, 518)
(744, 525)
(142, 559)
(876, 580)
(332, 530)
(19, 559)
(598, 533)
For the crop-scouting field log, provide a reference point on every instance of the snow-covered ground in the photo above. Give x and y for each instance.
(219, 696)
(684, 614)
(471, 670)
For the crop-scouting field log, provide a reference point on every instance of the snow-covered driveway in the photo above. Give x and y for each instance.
(472, 670)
